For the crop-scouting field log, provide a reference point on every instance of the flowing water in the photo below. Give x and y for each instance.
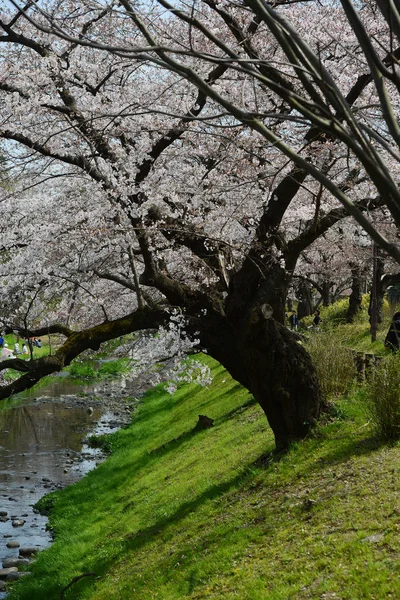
(42, 449)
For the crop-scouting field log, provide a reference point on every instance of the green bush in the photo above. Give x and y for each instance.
(335, 313)
(104, 442)
(113, 368)
(382, 397)
(82, 371)
(334, 363)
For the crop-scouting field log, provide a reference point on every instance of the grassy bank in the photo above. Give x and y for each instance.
(356, 335)
(177, 512)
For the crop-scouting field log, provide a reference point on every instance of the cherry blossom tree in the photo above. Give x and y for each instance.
(209, 146)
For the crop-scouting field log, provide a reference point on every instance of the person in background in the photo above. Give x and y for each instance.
(294, 321)
(392, 339)
(317, 319)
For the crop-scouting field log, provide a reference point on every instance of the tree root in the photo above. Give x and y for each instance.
(74, 580)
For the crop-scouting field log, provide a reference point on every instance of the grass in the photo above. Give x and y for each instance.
(37, 352)
(90, 369)
(357, 335)
(382, 397)
(10, 339)
(177, 512)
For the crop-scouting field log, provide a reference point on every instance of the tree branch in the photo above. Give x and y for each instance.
(75, 344)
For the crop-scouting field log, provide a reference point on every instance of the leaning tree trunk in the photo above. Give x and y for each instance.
(281, 377)
(254, 345)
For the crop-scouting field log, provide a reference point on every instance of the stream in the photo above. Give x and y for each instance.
(42, 449)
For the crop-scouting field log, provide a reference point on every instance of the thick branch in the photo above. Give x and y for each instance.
(214, 254)
(112, 277)
(314, 230)
(56, 328)
(75, 344)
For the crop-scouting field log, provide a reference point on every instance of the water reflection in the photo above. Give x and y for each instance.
(42, 449)
(38, 428)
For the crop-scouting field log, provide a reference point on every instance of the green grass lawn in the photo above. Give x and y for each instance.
(176, 512)
(357, 335)
(37, 352)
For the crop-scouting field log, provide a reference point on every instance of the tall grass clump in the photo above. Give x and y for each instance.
(334, 363)
(335, 313)
(382, 397)
(79, 370)
(114, 368)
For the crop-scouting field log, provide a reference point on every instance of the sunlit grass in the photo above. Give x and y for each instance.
(357, 335)
(11, 338)
(178, 512)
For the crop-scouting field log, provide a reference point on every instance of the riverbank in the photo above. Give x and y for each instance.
(178, 511)
(44, 448)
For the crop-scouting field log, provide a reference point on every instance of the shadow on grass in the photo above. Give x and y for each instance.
(334, 451)
(352, 448)
(137, 540)
(158, 406)
(186, 435)
(236, 411)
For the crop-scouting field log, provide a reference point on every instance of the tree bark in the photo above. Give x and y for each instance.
(305, 306)
(355, 296)
(380, 286)
(266, 358)
(282, 379)
(325, 292)
(262, 354)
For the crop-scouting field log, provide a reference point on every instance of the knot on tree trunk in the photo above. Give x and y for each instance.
(260, 312)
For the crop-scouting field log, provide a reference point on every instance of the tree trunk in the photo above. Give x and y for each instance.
(325, 292)
(380, 286)
(281, 377)
(305, 306)
(355, 297)
(263, 355)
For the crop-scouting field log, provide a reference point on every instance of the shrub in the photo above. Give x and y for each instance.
(334, 363)
(82, 371)
(113, 368)
(335, 313)
(103, 442)
(382, 397)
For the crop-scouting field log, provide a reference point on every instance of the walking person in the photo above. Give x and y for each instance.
(294, 321)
